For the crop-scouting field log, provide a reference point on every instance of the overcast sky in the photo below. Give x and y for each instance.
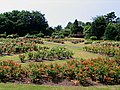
(60, 12)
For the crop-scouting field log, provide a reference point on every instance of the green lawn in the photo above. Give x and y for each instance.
(13, 57)
(76, 48)
(10, 86)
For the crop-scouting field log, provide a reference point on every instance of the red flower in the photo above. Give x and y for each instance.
(2, 48)
(52, 68)
(5, 61)
(6, 67)
(0, 70)
(104, 77)
(80, 75)
(21, 43)
(13, 63)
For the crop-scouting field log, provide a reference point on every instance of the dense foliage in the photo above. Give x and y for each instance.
(111, 49)
(100, 70)
(22, 22)
(104, 27)
(55, 53)
(16, 46)
(34, 24)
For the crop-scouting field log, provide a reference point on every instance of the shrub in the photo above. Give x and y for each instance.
(30, 55)
(22, 57)
(40, 35)
(93, 38)
(88, 42)
(2, 35)
(104, 48)
(30, 36)
(10, 36)
(77, 41)
(99, 70)
(58, 53)
(102, 70)
(117, 38)
(11, 71)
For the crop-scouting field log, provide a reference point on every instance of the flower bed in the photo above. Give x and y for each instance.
(56, 53)
(16, 46)
(99, 70)
(11, 71)
(62, 41)
(111, 49)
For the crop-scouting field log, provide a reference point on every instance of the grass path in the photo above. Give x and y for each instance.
(13, 57)
(10, 86)
(76, 48)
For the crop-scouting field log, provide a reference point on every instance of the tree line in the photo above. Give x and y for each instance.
(105, 27)
(31, 23)
(22, 22)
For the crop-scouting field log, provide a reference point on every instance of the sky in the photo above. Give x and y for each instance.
(60, 12)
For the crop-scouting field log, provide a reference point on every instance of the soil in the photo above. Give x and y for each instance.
(43, 60)
(64, 82)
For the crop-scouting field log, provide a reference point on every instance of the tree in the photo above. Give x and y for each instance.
(87, 31)
(58, 27)
(69, 25)
(66, 32)
(3, 20)
(76, 28)
(118, 20)
(87, 27)
(110, 17)
(98, 27)
(110, 32)
(22, 22)
(88, 23)
(80, 23)
(49, 31)
(118, 31)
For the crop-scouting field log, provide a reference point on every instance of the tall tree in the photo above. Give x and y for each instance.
(118, 20)
(118, 31)
(110, 17)
(76, 28)
(110, 32)
(58, 27)
(22, 22)
(49, 31)
(69, 25)
(87, 31)
(98, 26)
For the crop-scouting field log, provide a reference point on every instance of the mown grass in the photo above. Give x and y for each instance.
(10, 86)
(77, 49)
(12, 57)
